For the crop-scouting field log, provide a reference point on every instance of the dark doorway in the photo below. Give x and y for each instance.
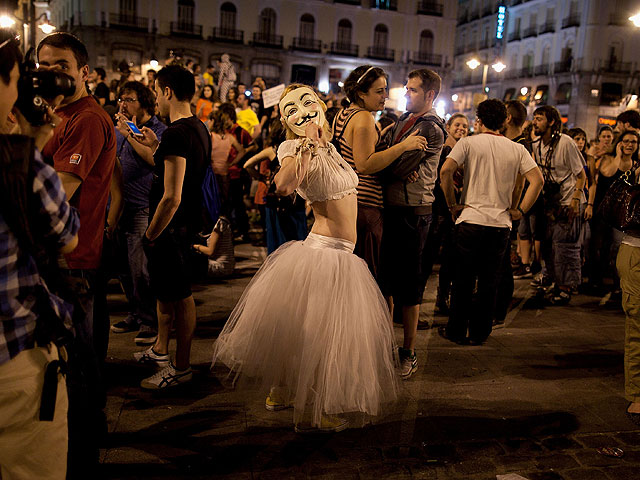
(303, 74)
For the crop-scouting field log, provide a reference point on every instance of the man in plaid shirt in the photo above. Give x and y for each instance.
(29, 446)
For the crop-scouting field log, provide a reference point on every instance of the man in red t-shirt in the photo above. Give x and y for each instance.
(82, 151)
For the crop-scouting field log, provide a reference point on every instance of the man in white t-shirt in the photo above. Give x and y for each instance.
(489, 203)
(562, 165)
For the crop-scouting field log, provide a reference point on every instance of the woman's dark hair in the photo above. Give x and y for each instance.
(277, 134)
(360, 81)
(217, 125)
(67, 41)
(235, 90)
(145, 95)
(605, 128)
(387, 119)
(213, 93)
(492, 113)
(10, 54)
(454, 116)
(577, 132)
(634, 155)
(178, 79)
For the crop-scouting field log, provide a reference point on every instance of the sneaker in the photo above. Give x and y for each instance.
(535, 267)
(167, 377)
(146, 336)
(408, 363)
(523, 271)
(559, 297)
(328, 424)
(275, 405)
(541, 281)
(124, 326)
(150, 357)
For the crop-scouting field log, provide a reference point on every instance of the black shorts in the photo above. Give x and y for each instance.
(404, 258)
(173, 265)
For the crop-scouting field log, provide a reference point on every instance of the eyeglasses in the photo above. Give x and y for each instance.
(627, 142)
(127, 100)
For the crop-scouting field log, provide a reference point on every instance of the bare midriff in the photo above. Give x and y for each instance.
(336, 218)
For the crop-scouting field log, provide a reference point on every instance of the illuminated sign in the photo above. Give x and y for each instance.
(607, 121)
(502, 12)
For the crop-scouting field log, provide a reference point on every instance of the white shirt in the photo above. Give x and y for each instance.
(491, 165)
(566, 164)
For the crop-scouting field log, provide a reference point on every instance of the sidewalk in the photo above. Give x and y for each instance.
(537, 399)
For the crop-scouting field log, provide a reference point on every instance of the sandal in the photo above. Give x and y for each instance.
(560, 297)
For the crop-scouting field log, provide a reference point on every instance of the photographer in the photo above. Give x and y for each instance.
(34, 216)
(82, 151)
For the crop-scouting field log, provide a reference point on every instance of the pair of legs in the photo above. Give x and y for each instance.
(562, 258)
(410, 316)
(183, 312)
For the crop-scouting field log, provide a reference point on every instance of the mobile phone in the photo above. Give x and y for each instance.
(134, 129)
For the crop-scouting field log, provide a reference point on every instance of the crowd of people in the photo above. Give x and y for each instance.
(154, 181)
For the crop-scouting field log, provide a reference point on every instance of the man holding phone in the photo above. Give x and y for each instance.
(136, 106)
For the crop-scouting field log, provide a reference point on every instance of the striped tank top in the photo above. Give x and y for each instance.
(369, 187)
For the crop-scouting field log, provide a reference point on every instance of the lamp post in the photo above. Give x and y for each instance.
(635, 19)
(498, 66)
(29, 20)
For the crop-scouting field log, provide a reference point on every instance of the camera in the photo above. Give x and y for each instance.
(36, 88)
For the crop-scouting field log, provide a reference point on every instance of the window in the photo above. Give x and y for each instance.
(128, 8)
(426, 42)
(125, 58)
(185, 13)
(344, 32)
(563, 94)
(269, 71)
(542, 95)
(228, 17)
(614, 53)
(267, 24)
(509, 94)
(545, 55)
(307, 27)
(611, 94)
(380, 36)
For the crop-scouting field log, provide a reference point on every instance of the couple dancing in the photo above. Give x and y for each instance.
(312, 324)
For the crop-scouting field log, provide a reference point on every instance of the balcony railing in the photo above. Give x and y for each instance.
(530, 32)
(617, 67)
(548, 27)
(542, 69)
(429, 7)
(349, 2)
(526, 72)
(571, 21)
(460, 49)
(128, 22)
(475, 15)
(488, 10)
(340, 48)
(306, 44)
(186, 29)
(562, 66)
(230, 35)
(384, 4)
(514, 36)
(463, 19)
(381, 53)
(487, 43)
(262, 39)
(434, 59)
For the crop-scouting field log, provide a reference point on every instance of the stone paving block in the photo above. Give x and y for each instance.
(280, 474)
(596, 441)
(515, 462)
(483, 448)
(522, 446)
(425, 472)
(591, 458)
(584, 474)
(556, 462)
(560, 443)
(475, 466)
(629, 438)
(548, 475)
(387, 470)
(623, 473)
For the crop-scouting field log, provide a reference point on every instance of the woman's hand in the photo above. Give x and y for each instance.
(414, 142)
(588, 212)
(315, 133)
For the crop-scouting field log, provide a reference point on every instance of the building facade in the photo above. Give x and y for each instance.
(576, 55)
(313, 41)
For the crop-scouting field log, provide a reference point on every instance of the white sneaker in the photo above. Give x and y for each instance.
(150, 357)
(167, 377)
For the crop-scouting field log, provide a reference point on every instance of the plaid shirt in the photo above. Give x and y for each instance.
(18, 271)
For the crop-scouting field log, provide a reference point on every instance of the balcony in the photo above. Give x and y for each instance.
(487, 43)
(349, 2)
(429, 7)
(541, 70)
(514, 36)
(229, 35)
(530, 32)
(463, 19)
(563, 66)
(617, 67)
(475, 15)
(572, 20)
(488, 10)
(548, 27)
(525, 72)
(424, 58)
(128, 22)
(262, 39)
(384, 4)
(615, 18)
(462, 81)
(381, 53)
(459, 49)
(306, 44)
(341, 48)
(183, 29)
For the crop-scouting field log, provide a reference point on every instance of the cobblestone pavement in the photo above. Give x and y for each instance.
(538, 399)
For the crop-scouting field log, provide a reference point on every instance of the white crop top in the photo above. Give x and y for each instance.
(329, 176)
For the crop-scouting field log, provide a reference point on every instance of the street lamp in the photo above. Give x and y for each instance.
(635, 19)
(498, 66)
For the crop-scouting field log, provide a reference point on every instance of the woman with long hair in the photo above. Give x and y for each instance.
(312, 324)
(204, 105)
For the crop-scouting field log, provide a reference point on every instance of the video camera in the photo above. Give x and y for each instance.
(36, 88)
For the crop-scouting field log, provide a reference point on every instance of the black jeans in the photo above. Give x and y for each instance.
(478, 252)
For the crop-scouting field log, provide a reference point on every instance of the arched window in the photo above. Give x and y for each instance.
(546, 52)
(426, 42)
(128, 8)
(185, 13)
(267, 26)
(344, 32)
(228, 17)
(307, 27)
(380, 36)
(614, 52)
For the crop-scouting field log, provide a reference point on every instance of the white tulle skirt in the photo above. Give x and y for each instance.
(313, 323)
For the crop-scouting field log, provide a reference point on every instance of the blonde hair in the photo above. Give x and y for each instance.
(292, 136)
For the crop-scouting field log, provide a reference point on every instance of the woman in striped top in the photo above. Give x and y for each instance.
(356, 133)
